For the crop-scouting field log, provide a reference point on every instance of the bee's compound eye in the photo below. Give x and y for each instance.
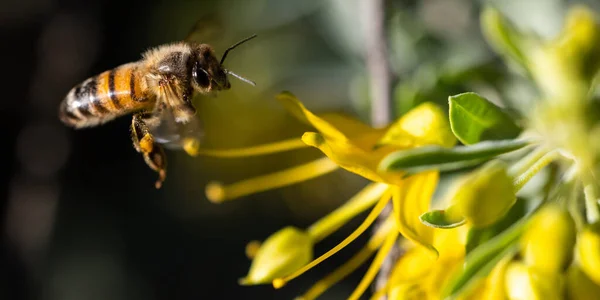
(201, 77)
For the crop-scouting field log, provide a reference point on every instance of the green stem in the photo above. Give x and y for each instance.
(574, 206)
(534, 168)
(591, 200)
(357, 204)
(526, 162)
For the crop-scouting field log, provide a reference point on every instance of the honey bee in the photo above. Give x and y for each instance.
(158, 91)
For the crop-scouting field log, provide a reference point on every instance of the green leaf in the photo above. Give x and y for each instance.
(474, 119)
(441, 219)
(478, 236)
(443, 159)
(482, 260)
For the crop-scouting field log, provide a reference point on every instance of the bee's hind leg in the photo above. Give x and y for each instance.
(143, 142)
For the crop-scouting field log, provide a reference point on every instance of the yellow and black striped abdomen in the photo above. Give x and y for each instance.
(106, 96)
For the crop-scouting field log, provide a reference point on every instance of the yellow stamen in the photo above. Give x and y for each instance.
(191, 146)
(351, 265)
(524, 177)
(217, 192)
(375, 265)
(280, 282)
(360, 202)
(526, 162)
(192, 149)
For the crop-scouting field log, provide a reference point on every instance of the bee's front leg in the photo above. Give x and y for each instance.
(153, 153)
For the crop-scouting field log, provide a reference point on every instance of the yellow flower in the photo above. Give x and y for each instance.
(358, 148)
(418, 275)
(361, 154)
(588, 250)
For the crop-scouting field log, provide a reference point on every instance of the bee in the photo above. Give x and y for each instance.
(157, 90)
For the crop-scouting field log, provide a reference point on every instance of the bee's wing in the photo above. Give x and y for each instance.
(167, 127)
(207, 29)
(173, 134)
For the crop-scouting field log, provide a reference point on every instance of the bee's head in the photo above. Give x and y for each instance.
(208, 73)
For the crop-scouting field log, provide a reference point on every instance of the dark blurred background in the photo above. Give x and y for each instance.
(81, 216)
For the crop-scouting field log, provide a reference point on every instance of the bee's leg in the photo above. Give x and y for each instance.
(143, 142)
(157, 160)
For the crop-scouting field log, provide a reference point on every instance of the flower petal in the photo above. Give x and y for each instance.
(411, 199)
(346, 155)
(412, 267)
(349, 126)
(297, 109)
(425, 124)
(333, 126)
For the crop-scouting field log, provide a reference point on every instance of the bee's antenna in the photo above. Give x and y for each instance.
(248, 81)
(233, 47)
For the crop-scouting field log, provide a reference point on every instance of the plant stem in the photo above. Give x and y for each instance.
(373, 13)
(591, 200)
(377, 62)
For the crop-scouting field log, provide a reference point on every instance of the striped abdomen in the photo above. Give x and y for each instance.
(106, 96)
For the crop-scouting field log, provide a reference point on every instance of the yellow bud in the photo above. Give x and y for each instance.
(524, 283)
(485, 195)
(580, 286)
(588, 250)
(567, 64)
(548, 241)
(282, 253)
(581, 40)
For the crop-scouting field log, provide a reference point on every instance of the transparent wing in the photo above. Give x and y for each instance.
(171, 124)
(207, 29)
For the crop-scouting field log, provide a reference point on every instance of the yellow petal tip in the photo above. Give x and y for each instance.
(278, 283)
(215, 192)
